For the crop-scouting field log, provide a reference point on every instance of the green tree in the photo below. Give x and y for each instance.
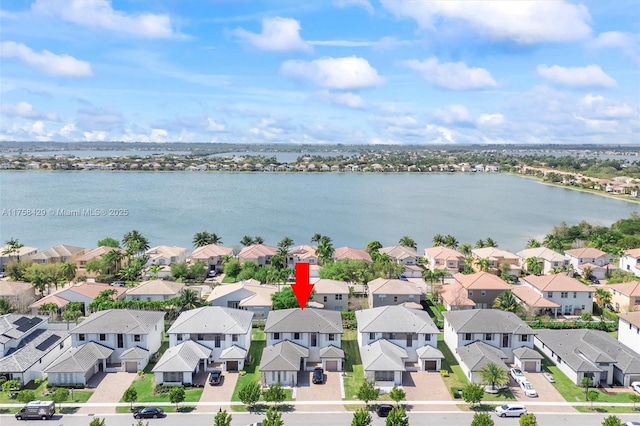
(12, 248)
(466, 249)
(68, 271)
(247, 240)
(222, 418)
(130, 396)
(177, 395)
(180, 271)
(11, 386)
(492, 374)
(60, 395)
(451, 242)
(407, 241)
(188, 300)
(612, 421)
(6, 307)
(71, 312)
(25, 396)
(201, 239)
(274, 418)
(472, 393)
(155, 271)
(533, 243)
(553, 242)
(482, 419)
(490, 242)
(274, 393)
(232, 268)
(373, 247)
(635, 398)
(361, 418)
(397, 394)
(284, 299)
(528, 419)
(506, 301)
(97, 421)
(438, 240)
(368, 392)
(109, 242)
(397, 417)
(135, 242)
(586, 382)
(249, 394)
(198, 271)
(603, 297)
(533, 267)
(325, 250)
(592, 396)
(258, 240)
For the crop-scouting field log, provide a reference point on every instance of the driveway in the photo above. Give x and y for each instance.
(220, 393)
(328, 391)
(109, 388)
(425, 386)
(546, 393)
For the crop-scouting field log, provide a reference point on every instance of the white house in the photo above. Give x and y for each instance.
(401, 254)
(332, 294)
(629, 330)
(571, 295)
(166, 255)
(547, 258)
(589, 257)
(302, 254)
(630, 261)
(155, 290)
(249, 295)
(212, 255)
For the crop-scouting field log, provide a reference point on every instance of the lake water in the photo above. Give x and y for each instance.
(170, 207)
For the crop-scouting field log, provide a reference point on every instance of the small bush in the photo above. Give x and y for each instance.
(456, 392)
(444, 373)
(242, 373)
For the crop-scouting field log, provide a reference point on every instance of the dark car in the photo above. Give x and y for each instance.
(215, 377)
(383, 410)
(148, 413)
(318, 376)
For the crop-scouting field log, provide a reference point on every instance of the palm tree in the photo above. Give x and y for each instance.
(48, 309)
(465, 249)
(13, 248)
(483, 264)
(6, 307)
(407, 241)
(135, 242)
(68, 270)
(553, 242)
(493, 374)
(155, 271)
(201, 239)
(451, 242)
(373, 246)
(258, 240)
(325, 250)
(215, 238)
(490, 242)
(603, 297)
(480, 243)
(247, 240)
(506, 301)
(286, 242)
(438, 240)
(533, 266)
(316, 238)
(533, 243)
(189, 300)
(112, 260)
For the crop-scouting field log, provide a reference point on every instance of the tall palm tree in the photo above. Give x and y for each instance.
(451, 242)
(247, 240)
(48, 309)
(603, 297)
(325, 250)
(189, 300)
(483, 264)
(553, 242)
(407, 241)
(438, 240)
(68, 270)
(506, 301)
(490, 242)
(215, 238)
(494, 375)
(480, 243)
(465, 249)
(135, 242)
(112, 261)
(316, 238)
(155, 271)
(201, 239)
(286, 242)
(533, 266)
(533, 243)
(258, 240)
(13, 248)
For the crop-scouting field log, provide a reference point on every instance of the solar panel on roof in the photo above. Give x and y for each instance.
(48, 342)
(25, 323)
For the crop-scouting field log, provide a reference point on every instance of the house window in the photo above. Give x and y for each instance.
(314, 339)
(234, 337)
(102, 337)
(505, 340)
(372, 336)
(467, 336)
(395, 298)
(575, 294)
(524, 337)
(384, 376)
(200, 336)
(338, 297)
(590, 296)
(409, 340)
(392, 336)
(549, 294)
(216, 340)
(564, 294)
(296, 336)
(325, 298)
(81, 337)
(276, 336)
(427, 337)
(470, 293)
(179, 337)
(332, 337)
(488, 336)
(382, 296)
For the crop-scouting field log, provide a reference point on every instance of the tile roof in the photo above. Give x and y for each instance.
(393, 286)
(429, 352)
(51, 298)
(456, 295)
(307, 320)
(478, 354)
(325, 286)
(182, 358)
(256, 250)
(527, 353)
(481, 281)
(383, 355)
(629, 289)
(631, 318)
(304, 252)
(98, 253)
(395, 319)
(633, 253)
(585, 252)
(442, 252)
(165, 251)
(79, 359)
(14, 326)
(283, 356)
(331, 351)
(124, 321)
(61, 250)
(556, 282)
(134, 353)
(399, 252)
(250, 293)
(31, 349)
(211, 250)
(13, 288)
(486, 321)
(91, 290)
(156, 287)
(542, 253)
(532, 298)
(494, 253)
(233, 352)
(351, 253)
(213, 319)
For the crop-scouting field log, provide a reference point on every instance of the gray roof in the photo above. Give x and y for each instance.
(395, 319)
(134, 353)
(79, 359)
(526, 353)
(121, 321)
(183, 357)
(478, 354)
(31, 349)
(429, 352)
(382, 355)
(581, 349)
(283, 356)
(331, 352)
(213, 319)
(15, 326)
(486, 321)
(304, 321)
(233, 352)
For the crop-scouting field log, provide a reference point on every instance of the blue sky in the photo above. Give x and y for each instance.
(334, 71)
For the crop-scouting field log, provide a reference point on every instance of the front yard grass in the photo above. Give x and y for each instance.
(352, 365)
(145, 384)
(41, 391)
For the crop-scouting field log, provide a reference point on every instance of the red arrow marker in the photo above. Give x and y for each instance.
(302, 288)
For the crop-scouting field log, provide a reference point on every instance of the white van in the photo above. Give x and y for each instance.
(511, 410)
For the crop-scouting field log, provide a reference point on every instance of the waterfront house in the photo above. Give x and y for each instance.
(401, 254)
(351, 253)
(482, 288)
(571, 295)
(394, 339)
(630, 261)
(165, 255)
(440, 257)
(593, 259)
(249, 295)
(97, 253)
(61, 253)
(625, 297)
(154, 290)
(19, 294)
(83, 292)
(302, 254)
(479, 336)
(497, 259)
(534, 302)
(22, 253)
(212, 255)
(548, 259)
(261, 254)
(581, 353)
(298, 340)
(383, 292)
(629, 330)
(332, 294)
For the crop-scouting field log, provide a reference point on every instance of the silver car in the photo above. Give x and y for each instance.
(511, 410)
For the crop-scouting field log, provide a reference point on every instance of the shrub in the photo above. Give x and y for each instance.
(444, 373)
(586, 316)
(456, 392)
(242, 373)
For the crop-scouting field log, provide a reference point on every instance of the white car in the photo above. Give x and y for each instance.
(528, 389)
(517, 375)
(632, 424)
(511, 410)
(635, 386)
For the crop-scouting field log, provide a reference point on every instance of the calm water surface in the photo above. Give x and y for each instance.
(168, 208)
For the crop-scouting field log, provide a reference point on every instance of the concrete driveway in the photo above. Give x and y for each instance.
(109, 388)
(546, 393)
(220, 393)
(328, 391)
(425, 386)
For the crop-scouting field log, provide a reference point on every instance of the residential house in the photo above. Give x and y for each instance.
(258, 253)
(625, 297)
(61, 253)
(203, 339)
(212, 255)
(588, 257)
(581, 353)
(571, 295)
(498, 260)
(302, 254)
(548, 259)
(22, 253)
(630, 261)
(19, 294)
(249, 295)
(440, 257)
(533, 302)
(351, 253)
(298, 339)
(83, 292)
(96, 253)
(482, 288)
(383, 292)
(78, 364)
(155, 290)
(394, 339)
(166, 255)
(479, 336)
(401, 254)
(629, 330)
(331, 294)
(27, 346)
(128, 332)
(455, 297)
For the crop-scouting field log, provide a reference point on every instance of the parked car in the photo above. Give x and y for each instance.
(632, 424)
(148, 413)
(215, 377)
(383, 410)
(517, 375)
(256, 424)
(635, 386)
(118, 284)
(528, 389)
(318, 376)
(511, 410)
(549, 377)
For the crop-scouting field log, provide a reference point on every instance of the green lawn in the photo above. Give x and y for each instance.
(145, 385)
(353, 365)
(40, 390)
(258, 343)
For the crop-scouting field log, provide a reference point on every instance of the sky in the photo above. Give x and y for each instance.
(321, 71)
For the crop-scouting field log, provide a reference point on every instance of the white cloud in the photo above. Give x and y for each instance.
(628, 43)
(95, 136)
(45, 61)
(67, 129)
(25, 110)
(451, 75)
(214, 126)
(452, 114)
(100, 14)
(365, 4)
(523, 22)
(278, 34)
(589, 76)
(490, 119)
(334, 73)
(159, 135)
(347, 99)
(599, 107)
(267, 129)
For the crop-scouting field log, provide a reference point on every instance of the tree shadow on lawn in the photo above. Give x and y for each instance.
(69, 410)
(482, 408)
(5, 411)
(262, 408)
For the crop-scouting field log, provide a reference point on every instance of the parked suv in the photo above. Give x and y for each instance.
(215, 377)
(318, 376)
(511, 410)
(383, 410)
